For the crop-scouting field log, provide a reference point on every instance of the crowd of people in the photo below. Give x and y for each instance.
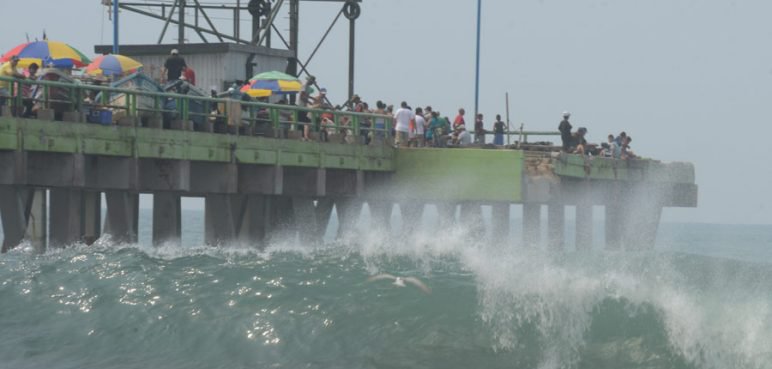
(617, 147)
(410, 127)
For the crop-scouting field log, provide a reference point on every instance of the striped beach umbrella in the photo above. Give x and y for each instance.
(113, 65)
(271, 83)
(47, 54)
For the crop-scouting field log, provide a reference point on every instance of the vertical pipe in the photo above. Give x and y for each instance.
(477, 65)
(115, 26)
(555, 226)
(351, 41)
(181, 25)
(508, 135)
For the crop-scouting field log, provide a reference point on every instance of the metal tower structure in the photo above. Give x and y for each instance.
(263, 14)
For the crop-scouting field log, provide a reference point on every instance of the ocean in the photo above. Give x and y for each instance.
(702, 299)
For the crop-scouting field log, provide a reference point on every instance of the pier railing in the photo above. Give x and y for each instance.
(206, 113)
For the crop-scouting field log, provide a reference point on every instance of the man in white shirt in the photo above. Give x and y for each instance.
(420, 126)
(402, 118)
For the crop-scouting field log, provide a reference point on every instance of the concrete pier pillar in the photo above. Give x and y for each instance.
(167, 220)
(531, 225)
(584, 227)
(470, 217)
(92, 217)
(282, 222)
(380, 215)
(323, 211)
(122, 218)
(349, 210)
(412, 213)
(255, 221)
(641, 221)
(37, 221)
(614, 225)
(304, 219)
(14, 207)
(447, 215)
(222, 215)
(500, 222)
(556, 219)
(66, 217)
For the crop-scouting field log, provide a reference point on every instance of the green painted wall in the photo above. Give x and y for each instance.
(578, 166)
(453, 174)
(92, 139)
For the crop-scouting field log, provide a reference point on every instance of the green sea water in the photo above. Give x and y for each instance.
(702, 299)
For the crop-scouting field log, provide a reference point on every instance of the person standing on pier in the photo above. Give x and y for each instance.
(402, 118)
(174, 66)
(8, 70)
(479, 129)
(498, 131)
(565, 131)
(459, 119)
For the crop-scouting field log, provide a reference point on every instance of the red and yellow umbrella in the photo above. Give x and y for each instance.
(47, 54)
(113, 65)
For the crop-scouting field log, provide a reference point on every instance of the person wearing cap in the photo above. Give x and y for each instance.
(174, 66)
(565, 131)
(8, 70)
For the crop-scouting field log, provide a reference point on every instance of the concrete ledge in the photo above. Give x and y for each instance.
(56, 170)
(213, 178)
(260, 179)
(164, 175)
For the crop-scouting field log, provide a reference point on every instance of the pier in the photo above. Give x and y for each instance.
(260, 181)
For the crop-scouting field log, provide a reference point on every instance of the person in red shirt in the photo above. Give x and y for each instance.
(189, 74)
(459, 119)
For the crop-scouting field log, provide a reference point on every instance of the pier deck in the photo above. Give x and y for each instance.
(261, 181)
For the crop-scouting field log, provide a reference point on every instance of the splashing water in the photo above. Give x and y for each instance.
(128, 306)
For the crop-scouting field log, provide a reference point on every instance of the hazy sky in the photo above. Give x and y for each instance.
(689, 80)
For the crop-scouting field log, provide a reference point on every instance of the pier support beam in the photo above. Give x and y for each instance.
(584, 227)
(304, 219)
(222, 218)
(167, 222)
(349, 210)
(323, 211)
(556, 219)
(37, 221)
(614, 226)
(470, 216)
(412, 213)
(500, 222)
(92, 217)
(255, 221)
(15, 203)
(447, 215)
(531, 225)
(67, 217)
(380, 215)
(122, 216)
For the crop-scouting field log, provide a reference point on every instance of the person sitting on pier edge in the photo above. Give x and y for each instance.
(462, 137)
(498, 131)
(578, 143)
(173, 66)
(607, 148)
(565, 131)
(402, 119)
(627, 153)
(459, 119)
(8, 70)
